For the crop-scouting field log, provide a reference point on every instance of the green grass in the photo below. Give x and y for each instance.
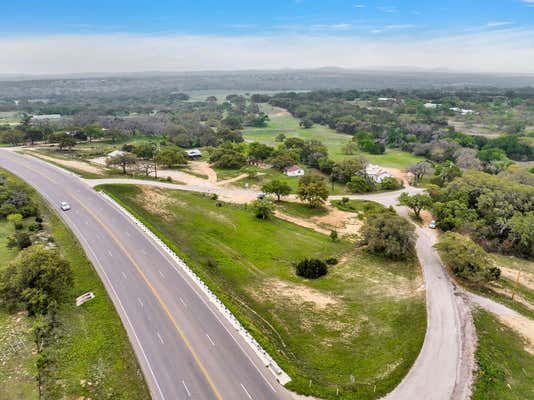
(17, 371)
(334, 141)
(358, 206)
(90, 342)
(301, 210)
(350, 322)
(505, 369)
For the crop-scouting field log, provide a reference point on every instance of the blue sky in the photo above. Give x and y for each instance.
(262, 17)
(462, 35)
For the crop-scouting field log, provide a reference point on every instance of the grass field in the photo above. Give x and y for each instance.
(90, 343)
(345, 331)
(283, 122)
(17, 349)
(505, 369)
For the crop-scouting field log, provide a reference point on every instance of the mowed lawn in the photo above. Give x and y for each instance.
(283, 122)
(357, 329)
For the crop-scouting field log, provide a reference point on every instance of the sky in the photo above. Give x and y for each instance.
(60, 36)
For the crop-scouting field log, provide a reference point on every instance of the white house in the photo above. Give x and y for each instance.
(462, 111)
(294, 170)
(193, 153)
(115, 153)
(45, 117)
(431, 105)
(376, 173)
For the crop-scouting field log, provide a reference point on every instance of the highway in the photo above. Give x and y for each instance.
(185, 348)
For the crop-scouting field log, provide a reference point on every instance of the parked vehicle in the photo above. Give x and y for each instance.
(65, 206)
(261, 196)
(432, 224)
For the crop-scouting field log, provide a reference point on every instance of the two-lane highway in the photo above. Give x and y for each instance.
(185, 348)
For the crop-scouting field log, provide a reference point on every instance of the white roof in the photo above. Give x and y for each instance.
(116, 153)
(47, 116)
(193, 152)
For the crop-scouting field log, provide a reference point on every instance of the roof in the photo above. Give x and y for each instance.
(293, 168)
(193, 152)
(116, 153)
(47, 116)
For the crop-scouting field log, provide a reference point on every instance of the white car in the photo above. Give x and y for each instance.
(432, 224)
(65, 206)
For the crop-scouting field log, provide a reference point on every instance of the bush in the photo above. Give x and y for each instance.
(263, 208)
(331, 261)
(20, 240)
(358, 184)
(466, 259)
(35, 227)
(390, 183)
(390, 235)
(311, 268)
(334, 236)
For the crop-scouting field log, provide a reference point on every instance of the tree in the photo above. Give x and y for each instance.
(446, 172)
(263, 208)
(306, 123)
(419, 170)
(92, 131)
(19, 240)
(170, 156)
(313, 189)
(123, 160)
(350, 148)
(64, 140)
(522, 233)
(389, 234)
(466, 259)
(311, 268)
(390, 183)
(277, 187)
(346, 169)
(416, 203)
(280, 137)
(145, 150)
(12, 136)
(16, 219)
(259, 151)
(35, 279)
(359, 184)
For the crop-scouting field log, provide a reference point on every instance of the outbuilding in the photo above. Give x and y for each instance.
(294, 170)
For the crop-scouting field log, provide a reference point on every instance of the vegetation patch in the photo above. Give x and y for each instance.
(339, 331)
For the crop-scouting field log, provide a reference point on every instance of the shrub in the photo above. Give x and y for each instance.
(20, 240)
(35, 227)
(333, 235)
(331, 261)
(389, 234)
(466, 259)
(358, 184)
(311, 268)
(263, 208)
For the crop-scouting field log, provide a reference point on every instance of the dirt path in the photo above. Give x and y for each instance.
(203, 168)
(232, 180)
(79, 165)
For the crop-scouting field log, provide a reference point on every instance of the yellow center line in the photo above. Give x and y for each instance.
(151, 287)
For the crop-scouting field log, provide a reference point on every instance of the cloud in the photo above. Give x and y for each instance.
(508, 50)
(387, 9)
(360, 6)
(392, 27)
(498, 23)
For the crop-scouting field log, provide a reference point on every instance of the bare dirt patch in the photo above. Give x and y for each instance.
(232, 180)
(298, 293)
(525, 278)
(79, 165)
(203, 168)
(522, 325)
(156, 202)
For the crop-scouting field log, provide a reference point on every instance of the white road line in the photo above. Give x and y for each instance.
(160, 338)
(110, 253)
(86, 222)
(161, 273)
(212, 342)
(246, 391)
(127, 233)
(140, 302)
(183, 302)
(143, 251)
(97, 236)
(186, 389)
(124, 275)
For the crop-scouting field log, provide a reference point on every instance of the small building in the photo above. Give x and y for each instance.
(294, 170)
(45, 117)
(376, 173)
(115, 153)
(431, 105)
(462, 111)
(193, 153)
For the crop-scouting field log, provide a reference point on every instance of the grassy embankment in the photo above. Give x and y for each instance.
(346, 330)
(90, 353)
(505, 368)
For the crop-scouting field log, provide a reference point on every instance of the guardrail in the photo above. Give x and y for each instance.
(266, 359)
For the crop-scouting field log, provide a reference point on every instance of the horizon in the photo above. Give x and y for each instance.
(124, 37)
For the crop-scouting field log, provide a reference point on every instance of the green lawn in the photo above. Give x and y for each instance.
(352, 322)
(505, 369)
(90, 342)
(359, 206)
(282, 122)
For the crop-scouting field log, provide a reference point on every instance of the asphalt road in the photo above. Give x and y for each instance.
(184, 346)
